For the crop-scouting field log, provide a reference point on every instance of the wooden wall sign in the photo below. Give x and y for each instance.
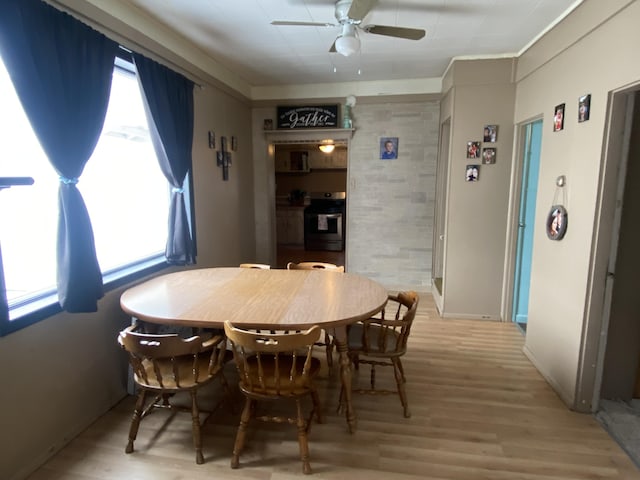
(314, 116)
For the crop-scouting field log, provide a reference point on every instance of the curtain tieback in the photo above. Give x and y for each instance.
(177, 190)
(68, 181)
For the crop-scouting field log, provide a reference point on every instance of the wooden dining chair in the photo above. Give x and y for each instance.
(261, 266)
(329, 267)
(275, 365)
(164, 365)
(382, 341)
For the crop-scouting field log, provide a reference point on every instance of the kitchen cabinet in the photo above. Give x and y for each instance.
(292, 161)
(290, 225)
(334, 160)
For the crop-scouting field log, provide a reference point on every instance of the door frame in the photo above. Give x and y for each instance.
(597, 305)
(515, 192)
(438, 255)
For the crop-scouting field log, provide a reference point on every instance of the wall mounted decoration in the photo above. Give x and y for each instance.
(558, 118)
(234, 143)
(490, 133)
(557, 222)
(489, 155)
(212, 139)
(388, 148)
(312, 116)
(473, 149)
(584, 108)
(223, 158)
(472, 173)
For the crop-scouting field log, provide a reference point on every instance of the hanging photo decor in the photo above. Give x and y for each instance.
(473, 149)
(558, 117)
(472, 173)
(489, 155)
(557, 222)
(584, 108)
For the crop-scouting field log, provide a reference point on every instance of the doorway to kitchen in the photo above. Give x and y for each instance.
(311, 187)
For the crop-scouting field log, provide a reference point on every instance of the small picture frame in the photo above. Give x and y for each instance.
(557, 220)
(234, 143)
(489, 155)
(584, 108)
(223, 144)
(268, 124)
(212, 139)
(558, 118)
(388, 148)
(473, 149)
(490, 134)
(472, 173)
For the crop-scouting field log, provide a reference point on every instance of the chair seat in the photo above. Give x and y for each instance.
(376, 346)
(271, 384)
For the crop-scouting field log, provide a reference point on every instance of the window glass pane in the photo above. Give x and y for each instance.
(28, 214)
(125, 192)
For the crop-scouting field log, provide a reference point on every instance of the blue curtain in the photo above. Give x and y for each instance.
(62, 72)
(168, 98)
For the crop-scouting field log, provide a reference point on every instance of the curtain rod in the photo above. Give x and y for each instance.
(125, 43)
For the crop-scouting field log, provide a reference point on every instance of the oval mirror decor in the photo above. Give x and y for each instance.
(557, 222)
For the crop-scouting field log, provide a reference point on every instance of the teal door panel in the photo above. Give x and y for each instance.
(527, 211)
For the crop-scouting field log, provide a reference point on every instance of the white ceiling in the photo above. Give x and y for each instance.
(238, 34)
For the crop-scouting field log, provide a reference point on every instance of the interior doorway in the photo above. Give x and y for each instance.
(531, 144)
(442, 169)
(616, 386)
(608, 364)
(304, 174)
(621, 351)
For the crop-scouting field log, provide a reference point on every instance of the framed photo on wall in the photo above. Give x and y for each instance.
(489, 155)
(473, 149)
(558, 118)
(490, 134)
(584, 108)
(472, 173)
(388, 148)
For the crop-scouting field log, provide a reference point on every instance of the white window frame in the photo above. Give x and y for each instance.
(45, 304)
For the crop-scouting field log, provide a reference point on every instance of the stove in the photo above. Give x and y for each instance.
(325, 221)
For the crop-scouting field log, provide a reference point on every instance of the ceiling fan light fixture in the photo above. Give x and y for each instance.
(348, 43)
(347, 46)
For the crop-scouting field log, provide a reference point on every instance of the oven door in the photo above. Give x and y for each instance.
(323, 231)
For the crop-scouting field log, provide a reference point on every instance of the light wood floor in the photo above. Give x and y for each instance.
(480, 412)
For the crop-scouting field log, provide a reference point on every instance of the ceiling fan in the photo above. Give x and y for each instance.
(350, 14)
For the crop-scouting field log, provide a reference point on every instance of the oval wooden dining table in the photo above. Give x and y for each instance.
(257, 298)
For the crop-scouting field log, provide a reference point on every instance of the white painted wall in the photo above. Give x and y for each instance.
(390, 203)
(591, 51)
(479, 93)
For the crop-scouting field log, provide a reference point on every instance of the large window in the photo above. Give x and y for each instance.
(125, 192)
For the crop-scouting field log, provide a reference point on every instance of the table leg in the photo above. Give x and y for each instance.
(340, 336)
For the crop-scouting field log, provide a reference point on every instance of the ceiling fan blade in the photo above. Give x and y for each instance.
(302, 24)
(398, 32)
(359, 8)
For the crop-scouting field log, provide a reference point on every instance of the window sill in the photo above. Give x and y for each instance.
(47, 306)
